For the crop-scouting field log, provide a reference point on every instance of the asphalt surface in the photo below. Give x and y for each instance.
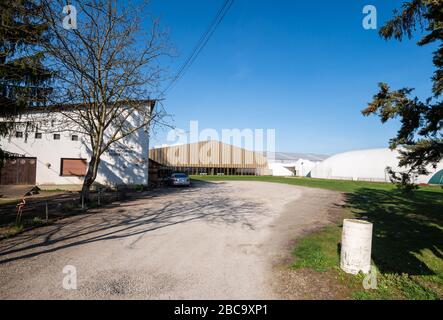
(211, 241)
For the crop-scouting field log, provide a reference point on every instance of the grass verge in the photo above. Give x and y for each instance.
(407, 241)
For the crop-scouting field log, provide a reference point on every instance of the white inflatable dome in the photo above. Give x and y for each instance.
(364, 165)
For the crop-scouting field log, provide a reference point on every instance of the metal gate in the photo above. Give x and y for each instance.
(19, 171)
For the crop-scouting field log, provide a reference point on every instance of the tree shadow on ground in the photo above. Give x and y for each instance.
(405, 224)
(135, 219)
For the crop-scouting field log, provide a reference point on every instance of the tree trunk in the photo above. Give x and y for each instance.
(90, 177)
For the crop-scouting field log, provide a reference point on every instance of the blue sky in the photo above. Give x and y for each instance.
(303, 68)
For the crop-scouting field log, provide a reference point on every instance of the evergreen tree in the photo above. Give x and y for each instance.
(420, 136)
(23, 77)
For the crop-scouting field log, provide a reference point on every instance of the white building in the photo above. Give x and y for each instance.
(368, 165)
(279, 169)
(299, 168)
(48, 156)
(303, 167)
(285, 164)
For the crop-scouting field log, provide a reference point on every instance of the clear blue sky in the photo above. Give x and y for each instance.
(304, 68)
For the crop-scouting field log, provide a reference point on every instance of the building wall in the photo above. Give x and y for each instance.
(124, 163)
(299, 168)
(282, 169)
(208, 154)
(304, 167)
(364, 165)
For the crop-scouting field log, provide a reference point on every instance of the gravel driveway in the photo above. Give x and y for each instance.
(211, 241)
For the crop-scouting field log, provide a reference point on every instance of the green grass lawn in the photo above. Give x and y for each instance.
(407, 242)
(336, 185)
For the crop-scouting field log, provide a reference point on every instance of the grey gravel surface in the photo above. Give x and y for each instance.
(211, 241)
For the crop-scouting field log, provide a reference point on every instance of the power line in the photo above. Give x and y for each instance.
(203, 37)
(201, 43)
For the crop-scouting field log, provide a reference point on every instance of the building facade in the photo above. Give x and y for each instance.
(289, 164)
(299, 168)
(46, 155)
(210, 158)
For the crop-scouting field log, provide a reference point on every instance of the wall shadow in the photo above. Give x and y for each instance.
(405, 224)
(125, 161)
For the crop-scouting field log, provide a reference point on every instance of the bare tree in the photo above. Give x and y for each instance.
(107, 68)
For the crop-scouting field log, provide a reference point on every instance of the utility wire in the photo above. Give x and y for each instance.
(201, 44)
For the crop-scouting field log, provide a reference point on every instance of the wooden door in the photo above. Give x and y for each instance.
(21, 171)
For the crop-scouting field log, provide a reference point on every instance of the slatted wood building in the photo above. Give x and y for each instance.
(210, 157)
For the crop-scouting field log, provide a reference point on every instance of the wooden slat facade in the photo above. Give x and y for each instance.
(208, 154)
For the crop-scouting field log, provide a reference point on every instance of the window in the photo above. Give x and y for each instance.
(74, 137)
(56, 136)
(38, 135)
(19, 134)
(73, 167)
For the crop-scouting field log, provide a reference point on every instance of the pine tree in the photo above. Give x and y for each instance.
(23, 77)
(420, 136)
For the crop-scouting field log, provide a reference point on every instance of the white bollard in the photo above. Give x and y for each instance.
(356, 246)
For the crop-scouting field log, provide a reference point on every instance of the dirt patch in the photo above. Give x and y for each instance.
(304, 284)
(120, 284)
(329, 210)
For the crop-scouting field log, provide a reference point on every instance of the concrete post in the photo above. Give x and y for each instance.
(356, 246)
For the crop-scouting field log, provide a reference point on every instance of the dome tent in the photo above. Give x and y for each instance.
(367, 165)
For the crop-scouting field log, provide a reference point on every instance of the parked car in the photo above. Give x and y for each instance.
(180, 179)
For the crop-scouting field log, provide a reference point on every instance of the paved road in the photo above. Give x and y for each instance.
(211, 241)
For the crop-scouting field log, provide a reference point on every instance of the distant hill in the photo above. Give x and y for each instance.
(292, 156)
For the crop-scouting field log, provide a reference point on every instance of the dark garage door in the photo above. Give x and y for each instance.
(19, 171)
